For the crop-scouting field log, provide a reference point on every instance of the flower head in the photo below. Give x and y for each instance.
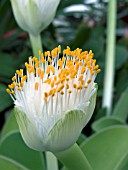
(34, 16)
(55, 99)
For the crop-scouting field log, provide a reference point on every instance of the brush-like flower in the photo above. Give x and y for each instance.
(55, 99)
(34, 16)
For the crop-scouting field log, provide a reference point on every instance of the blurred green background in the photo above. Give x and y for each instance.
(78, 23)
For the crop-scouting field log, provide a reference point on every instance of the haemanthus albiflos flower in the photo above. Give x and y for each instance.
(55, 99)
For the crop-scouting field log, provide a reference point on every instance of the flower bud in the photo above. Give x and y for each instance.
(34, 16)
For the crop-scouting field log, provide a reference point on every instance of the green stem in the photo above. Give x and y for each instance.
(51, 161)
(110, 56)
(74, 159)
(36, 44)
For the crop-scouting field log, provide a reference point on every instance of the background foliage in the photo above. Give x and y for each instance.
(85, 29)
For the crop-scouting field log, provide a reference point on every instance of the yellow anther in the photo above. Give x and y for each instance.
(13, 85)
(77, 66)
(48, 53)
(23, 78)
(48, 69)
(13, 78)
(37, 64)
(59, 49)
(42, 55)
(19, 89)
(85, 63)
(72, 76)
(89, 66)
(75, 86)
(80, 78)
(55, 78)
(62, 79)
(50, 92)
(67, 86)
(89, 81)
(42, 59)
(94, 61)
(36, 85)
(67, 79)
(98, 71)
(52, 69)
(67, 72)
(52, 83)
(45, 53)
(61, 92)
(13, 92)
(35, 59)
(8, 91)
(19, 73)
(79, 86)
(53, 92)
(60, 63)
(49, 59)
(63, 59)
(96, 67)
(85, 86)
(69, 91)
(48, 81)
(58, 89)
(57, 82)
(39, 71)
(82, 81)
(42, 74)
(62, 86)
(83, 70)
(45, 94)
(26, 64)
(21, 84)
(92, 72)
(16, 84)
(54, 53)
(10, 86)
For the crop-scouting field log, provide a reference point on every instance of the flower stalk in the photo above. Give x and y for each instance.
(74, 159)
(51, 161)
(110, 56)
(36, 44)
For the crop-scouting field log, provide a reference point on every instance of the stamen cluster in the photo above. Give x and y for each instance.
(59, 82)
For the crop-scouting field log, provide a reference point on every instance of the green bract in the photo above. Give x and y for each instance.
(34, 16)
(62, 135)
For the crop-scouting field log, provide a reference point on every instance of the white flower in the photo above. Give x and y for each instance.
(34, 16)
(55, 99)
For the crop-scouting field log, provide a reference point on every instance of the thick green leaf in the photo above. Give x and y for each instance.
(121, 108)
(121, 83)
(123, 164)
(121, 56)
(80, 39)
(13, 147)
(81, 139)
(5, 99)
(8, 164)
(105, 122)
(105, 149)
(9, 126)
